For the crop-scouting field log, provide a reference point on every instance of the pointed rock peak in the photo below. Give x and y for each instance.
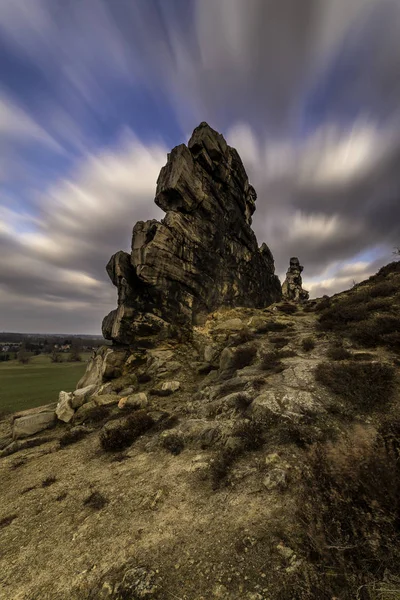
(206, 137)
(203, 255)
(292, 288)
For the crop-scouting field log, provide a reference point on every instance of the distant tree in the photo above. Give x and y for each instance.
(55, 356)
(23, 356)
(75, 353)
(396, 251)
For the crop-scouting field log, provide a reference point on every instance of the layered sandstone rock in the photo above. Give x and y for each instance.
(292, 288)
(201, 256)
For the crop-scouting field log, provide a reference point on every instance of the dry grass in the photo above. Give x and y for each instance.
(366, 385)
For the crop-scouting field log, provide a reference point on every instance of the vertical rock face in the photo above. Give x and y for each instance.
(201, 256)
(292, 286)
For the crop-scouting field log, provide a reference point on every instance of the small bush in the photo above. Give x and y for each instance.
(242, 401)
(383, 289)
(173, 443)
(279, 341)
(73, 436)
(220, 466)
(242, 337)
(48, 481)
(5, 521)
(250, 434)
(337, 352)
(244, 356)
(95, 500)
(349, 507)
(114, 439)
(97, 414)
(323, 304)
(364, 384)
(363, 356)
(287, 308)
(270, 361)
(62, 496)
(308, 344)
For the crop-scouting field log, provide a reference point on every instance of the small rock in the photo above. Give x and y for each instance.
(126, 392)
(105, 399)
(139, 400)
(64, 410)
(166, 389)
(285, 551)
(230, 325)
(276, 479)
(82, 395)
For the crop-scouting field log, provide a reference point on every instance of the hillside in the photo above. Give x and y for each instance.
(272, 476)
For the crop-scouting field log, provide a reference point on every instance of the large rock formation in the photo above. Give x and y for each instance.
(292, 288)
(201, 256)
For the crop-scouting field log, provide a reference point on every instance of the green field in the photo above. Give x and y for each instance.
(39, 382)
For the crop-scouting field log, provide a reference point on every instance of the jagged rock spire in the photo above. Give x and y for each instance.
(201, 256)
(292, 286)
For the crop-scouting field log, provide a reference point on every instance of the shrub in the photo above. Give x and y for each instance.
(95, 500)
(117, 438)
(220, 466)
(349, 507)
(270, 361)
(173, 443)
(279, 341)
(73, 436)
(337, 352)
(5, 521)
(372, 332)
(364, 384)
(287, 308)
(48, 481)
(383, 289)
(250, 437)
(308, 344)
(242, 337)
(323, 304)
(272, 326)
(300, 434)
(97, 414)
(242, 401)
(250, 434)
(244, 356)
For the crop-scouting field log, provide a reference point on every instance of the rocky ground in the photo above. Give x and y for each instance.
(207, 501)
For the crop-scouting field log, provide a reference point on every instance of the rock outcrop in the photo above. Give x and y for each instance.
(201, 256)
(292, 288)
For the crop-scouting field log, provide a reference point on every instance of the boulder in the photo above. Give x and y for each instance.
(82, 395)
(105, 399)
(134, 401)
(34, 423)
(64, 410)
(84, 411)
(106, 363)
(201, 256)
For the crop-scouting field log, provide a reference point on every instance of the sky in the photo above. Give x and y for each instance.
(94, 93)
